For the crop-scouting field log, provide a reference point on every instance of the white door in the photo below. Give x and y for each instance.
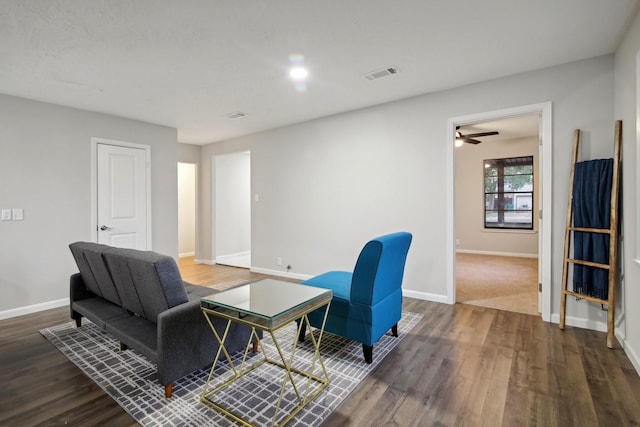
(122, 196)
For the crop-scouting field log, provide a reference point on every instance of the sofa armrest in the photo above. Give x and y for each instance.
(77, 291)
(186, 343)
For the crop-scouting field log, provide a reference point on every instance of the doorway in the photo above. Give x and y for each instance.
(232, 219)
(543, 211)
(187, 208)
(497, 193)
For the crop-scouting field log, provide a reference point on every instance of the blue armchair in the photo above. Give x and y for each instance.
(368, 302)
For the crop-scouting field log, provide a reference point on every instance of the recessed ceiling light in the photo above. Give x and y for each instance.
(298, 73)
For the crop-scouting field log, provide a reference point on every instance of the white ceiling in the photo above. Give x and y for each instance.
(510, 128)
(185, 64)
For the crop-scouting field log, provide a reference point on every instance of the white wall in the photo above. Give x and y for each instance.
(186, 209)
(328, 185)
(232, 204)
(627, 109)
(470, 229)
(45, 159)
(189, 153)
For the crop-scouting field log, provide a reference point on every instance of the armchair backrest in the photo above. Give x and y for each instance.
(380, 267)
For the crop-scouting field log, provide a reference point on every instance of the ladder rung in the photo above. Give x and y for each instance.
(587, 297)
(590, 230)
(587, 263)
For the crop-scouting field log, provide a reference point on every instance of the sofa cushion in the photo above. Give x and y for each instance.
(93, 270)
(149, 283)
(99, 310)
(123, 281)
(136, 332)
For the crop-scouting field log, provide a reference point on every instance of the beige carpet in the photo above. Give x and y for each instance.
(503, 283)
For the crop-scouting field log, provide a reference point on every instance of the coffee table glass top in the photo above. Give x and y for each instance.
(267, 299)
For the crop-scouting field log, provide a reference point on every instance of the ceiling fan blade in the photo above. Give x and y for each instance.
(476, 135)
(471, 141)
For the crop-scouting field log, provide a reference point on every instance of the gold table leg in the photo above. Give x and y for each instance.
(238, 372)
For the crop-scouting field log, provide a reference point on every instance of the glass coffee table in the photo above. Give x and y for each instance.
(267, 305)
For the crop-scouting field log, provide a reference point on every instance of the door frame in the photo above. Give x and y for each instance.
(94, 182)
(546, 180)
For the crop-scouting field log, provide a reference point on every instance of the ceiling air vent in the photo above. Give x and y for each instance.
(234, 116)
(378, 74)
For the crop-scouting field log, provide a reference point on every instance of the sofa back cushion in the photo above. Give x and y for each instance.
(148, 283)
(94, 271)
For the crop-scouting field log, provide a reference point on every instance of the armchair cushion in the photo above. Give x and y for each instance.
(338, 281)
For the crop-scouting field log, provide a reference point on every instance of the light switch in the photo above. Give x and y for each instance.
(6, 214)
(18, 214)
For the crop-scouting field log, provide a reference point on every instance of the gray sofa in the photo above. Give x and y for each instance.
(139, 298)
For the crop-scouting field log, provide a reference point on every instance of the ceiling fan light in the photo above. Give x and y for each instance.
(459, 142)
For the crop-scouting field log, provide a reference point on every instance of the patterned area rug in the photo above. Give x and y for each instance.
(130, 379)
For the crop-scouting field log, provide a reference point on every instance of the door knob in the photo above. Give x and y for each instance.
(105, 228)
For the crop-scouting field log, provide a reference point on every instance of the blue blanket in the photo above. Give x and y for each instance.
(592, 209)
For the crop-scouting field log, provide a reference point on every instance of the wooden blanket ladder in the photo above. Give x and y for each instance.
(612, 231)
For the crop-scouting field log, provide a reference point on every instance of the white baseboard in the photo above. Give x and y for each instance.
(280, 273)
(580, 322)
(632, 355)
(408, 293)
(206, 261)
(239, 258)
(470, 251)
(186, 254)
(21, 311)
(426, 296)
(235, 255)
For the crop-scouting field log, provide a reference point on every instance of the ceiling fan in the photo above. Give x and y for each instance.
(469, 138)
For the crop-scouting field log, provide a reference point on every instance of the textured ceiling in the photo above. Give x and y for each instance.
(186, 64)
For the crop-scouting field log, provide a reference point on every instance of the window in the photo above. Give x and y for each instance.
(508, 193)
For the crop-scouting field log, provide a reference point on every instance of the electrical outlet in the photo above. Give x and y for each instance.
(279, 260)
(6, 214)
(457, 241)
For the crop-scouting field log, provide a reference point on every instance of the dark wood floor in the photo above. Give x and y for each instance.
(462, 365)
